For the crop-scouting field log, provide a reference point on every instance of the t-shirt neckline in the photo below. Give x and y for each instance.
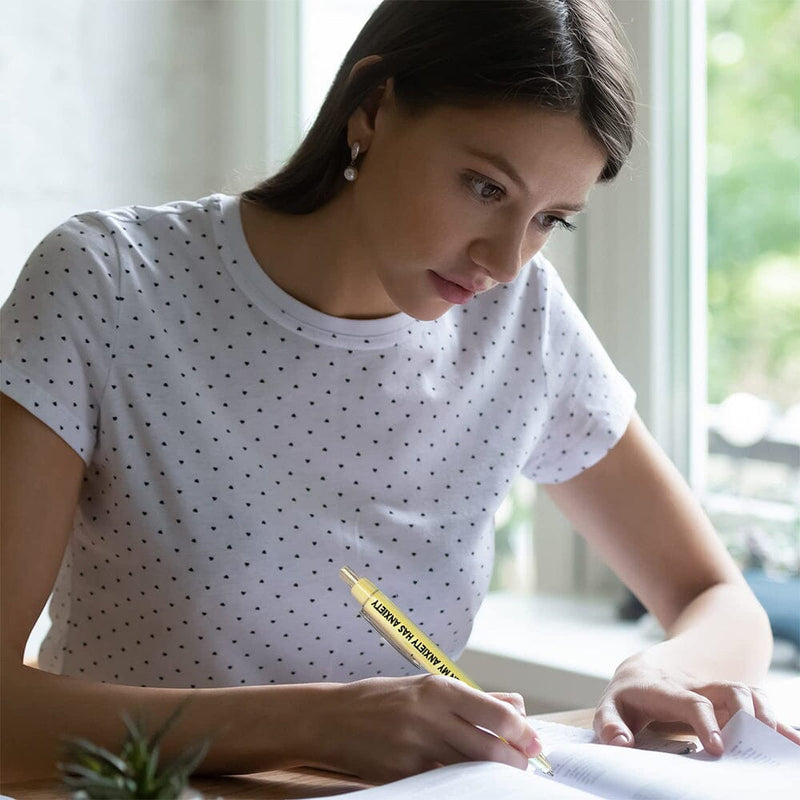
(288, 311)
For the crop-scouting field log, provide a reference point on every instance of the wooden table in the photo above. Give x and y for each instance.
(283, 784)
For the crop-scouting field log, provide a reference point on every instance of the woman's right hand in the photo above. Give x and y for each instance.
(384, 729)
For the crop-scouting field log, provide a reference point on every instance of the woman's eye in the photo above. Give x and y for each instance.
(550, 221)
(484, 190)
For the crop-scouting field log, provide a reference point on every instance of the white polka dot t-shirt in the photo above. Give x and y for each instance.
(240, 447)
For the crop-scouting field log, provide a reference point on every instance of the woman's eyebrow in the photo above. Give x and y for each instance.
(504, 165)
(499, 161)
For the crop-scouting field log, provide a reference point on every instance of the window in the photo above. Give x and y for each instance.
(326, 32)
(753, 168)
(710, 255)
(718, 86)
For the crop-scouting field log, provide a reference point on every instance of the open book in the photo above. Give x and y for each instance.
(758, 762)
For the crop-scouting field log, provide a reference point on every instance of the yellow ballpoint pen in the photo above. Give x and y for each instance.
(398, 630)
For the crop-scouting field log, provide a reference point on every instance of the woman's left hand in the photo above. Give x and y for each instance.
(642, 692)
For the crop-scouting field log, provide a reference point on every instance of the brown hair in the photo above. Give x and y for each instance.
(562, 55)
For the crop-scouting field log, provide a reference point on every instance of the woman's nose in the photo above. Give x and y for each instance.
(501, 256)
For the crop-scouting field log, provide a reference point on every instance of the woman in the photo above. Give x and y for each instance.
(211, 406)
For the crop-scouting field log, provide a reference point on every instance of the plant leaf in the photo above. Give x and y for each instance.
(171, 789)
(98, 774)
(168, 722)
(82, 750)
(136, 749)
(85, 778)
(134, 728)
(186, 763)
(148, 780)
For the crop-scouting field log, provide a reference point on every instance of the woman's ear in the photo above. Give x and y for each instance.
(361, 125)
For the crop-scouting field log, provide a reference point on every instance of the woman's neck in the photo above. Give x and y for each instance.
(316, 259)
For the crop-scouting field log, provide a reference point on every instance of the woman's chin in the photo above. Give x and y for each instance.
(430, 312)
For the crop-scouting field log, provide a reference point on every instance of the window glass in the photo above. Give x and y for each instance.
(753, 173)
(327, 31)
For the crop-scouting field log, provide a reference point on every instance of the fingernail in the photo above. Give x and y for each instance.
(716, 740)
(534, 748)
(620, 739)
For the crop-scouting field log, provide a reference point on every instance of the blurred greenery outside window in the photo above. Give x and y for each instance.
(752, 482)
(752, 490)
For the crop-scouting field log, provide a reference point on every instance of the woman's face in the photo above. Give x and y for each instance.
(455, 201)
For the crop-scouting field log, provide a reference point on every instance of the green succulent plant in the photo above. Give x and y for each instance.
(94, 773)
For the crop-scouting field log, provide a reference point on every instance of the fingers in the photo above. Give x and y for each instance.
(615, 721)
(700, 714)
(517, 701)
(762, 708)
(478, 744)
(493, 728)
(442, 755)
(610, 727)
(401, 726)
(706, 708)
(513, 698)
(729, 698)
(789, 732)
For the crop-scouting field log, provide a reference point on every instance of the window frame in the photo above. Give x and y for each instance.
(646, 232)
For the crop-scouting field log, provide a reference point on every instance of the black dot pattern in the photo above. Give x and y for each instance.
(240, 447)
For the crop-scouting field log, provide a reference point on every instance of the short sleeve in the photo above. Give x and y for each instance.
(57, 329)
(588, 401)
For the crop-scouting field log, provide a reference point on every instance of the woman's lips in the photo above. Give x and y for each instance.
(449, 291)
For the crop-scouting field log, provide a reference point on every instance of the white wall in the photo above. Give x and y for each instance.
(111, 102)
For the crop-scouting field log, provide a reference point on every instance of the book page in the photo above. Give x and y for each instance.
(474, 780)
(555, 734)
(758, 762)
(746, 739)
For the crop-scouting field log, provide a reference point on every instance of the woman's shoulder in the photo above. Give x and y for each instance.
(105, 245)
(175, 216)
(96, 234)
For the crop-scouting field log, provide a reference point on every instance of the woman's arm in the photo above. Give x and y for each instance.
(635, 509)
(40, 479)
(380, 729)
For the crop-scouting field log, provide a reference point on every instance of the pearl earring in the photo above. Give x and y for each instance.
(350, 172)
